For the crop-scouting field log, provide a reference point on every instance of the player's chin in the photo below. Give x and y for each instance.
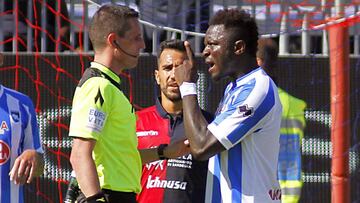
(174, 96)
(215, 76)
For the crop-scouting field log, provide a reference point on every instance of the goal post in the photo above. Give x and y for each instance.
(340, 112)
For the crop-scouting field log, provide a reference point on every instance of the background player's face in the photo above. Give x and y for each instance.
(215, 51)
(164, 75)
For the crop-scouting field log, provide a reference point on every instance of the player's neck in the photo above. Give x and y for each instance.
(171, 107)
(246, 67)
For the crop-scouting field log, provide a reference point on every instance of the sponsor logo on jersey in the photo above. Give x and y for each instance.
(170, 184)
(4, 127)
(181, 162)
(15, 115)
(157, 164)
(245, 110)
(275, 194)
(4, 152)
(147, 133)
(96, 120)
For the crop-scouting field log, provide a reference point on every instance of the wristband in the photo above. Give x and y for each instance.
(187, 88)
(97, 198)
(160, 151)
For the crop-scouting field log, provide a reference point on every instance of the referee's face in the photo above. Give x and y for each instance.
(164, 75)
(130, 45)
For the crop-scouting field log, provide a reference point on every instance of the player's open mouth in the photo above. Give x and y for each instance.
(212, 65)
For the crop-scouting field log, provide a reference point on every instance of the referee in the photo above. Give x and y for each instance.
(104, 155)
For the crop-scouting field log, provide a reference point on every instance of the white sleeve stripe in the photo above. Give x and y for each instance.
(217, 132)
(236, 126)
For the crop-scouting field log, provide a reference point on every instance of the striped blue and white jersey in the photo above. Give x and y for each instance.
(18, 132)
(247, 124)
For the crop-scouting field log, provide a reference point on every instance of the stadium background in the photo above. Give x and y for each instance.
(50, 80)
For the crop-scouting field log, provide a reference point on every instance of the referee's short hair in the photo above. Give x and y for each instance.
(110, 18)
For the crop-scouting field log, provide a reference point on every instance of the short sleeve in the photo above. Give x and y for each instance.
(90, 108)
(243, 113)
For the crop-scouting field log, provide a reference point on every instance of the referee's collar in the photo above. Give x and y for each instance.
(105, 70)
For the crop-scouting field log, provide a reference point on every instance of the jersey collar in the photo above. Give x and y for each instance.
(160, 109)
(241, 80)
(162, 112)
(106, 70)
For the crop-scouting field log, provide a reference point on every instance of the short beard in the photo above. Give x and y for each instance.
(171, 97)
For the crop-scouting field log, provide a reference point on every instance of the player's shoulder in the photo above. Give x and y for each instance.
(262, 83)
(23, 98)
(262, 77)
(255, 88)
(147, 110)
(147, 116)
(255, 78)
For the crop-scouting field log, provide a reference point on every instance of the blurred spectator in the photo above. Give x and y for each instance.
(291, 131)
(171, 13)
(34, 18)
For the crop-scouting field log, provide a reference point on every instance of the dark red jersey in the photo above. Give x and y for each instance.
(173, 180)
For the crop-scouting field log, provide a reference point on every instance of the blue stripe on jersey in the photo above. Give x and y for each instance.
(6, 137)
(5, 185)
(25, 100)
(259, 114)
(21, 192)
(34, 126)
(242, 96)
(235, 172)
(24, 120)
(216, 193)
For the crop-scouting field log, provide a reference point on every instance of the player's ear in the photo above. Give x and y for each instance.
(239, 47)
(156, 74)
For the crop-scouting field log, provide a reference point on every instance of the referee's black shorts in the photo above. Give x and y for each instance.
(113, 197)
